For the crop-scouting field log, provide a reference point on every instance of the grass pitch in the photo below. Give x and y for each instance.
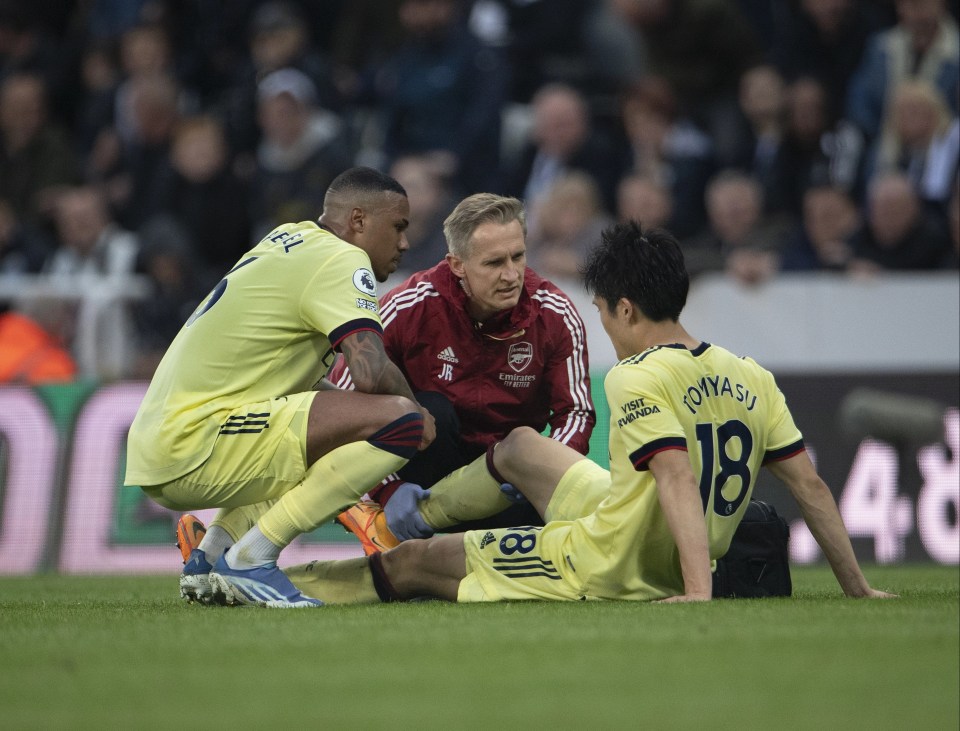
(103, 653)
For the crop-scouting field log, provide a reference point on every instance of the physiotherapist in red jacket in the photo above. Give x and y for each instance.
(487, 346)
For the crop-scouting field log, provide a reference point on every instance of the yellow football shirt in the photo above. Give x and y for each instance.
(727, 412)
(268, 329)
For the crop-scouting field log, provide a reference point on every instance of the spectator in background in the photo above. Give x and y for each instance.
(36, 159)
(145, 53)
(205, 196)
(824, 40)
(541, 40)
(923, 45)
(739, 239)
(176, 289)
(763, 102)
(364, 34)
(302, 149)
(23, 248)
(431, 200)
(644, 199)
(279, 38)
(89, 241)
(97, 96)
(821, 240)
(93, 256)
(921, 138)
(569, 219)
(562, 139)
(813, 152)
(898, 233)
(442, 92)
(133, 168)
(663, 145)
(701, 47)
(26, 47)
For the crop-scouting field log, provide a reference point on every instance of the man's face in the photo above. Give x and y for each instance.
(492, 272)
(384, 234)
(893, 210)
(80, 220)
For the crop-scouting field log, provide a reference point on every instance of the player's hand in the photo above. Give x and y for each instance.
(429, 429)
(403, 515)
(877, 594)
(684, 598)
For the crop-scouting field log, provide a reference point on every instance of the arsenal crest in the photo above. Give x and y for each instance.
(519, 356)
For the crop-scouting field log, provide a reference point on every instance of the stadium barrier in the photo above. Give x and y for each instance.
(63, 507)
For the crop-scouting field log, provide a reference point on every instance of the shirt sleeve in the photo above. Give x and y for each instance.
(341, 299)
(642, 414)
(785, 439)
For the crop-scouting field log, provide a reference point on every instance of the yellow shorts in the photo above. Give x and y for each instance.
(579, 492)
(257, 460)
(534, 563)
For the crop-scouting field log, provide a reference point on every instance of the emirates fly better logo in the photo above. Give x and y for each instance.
(520, 356)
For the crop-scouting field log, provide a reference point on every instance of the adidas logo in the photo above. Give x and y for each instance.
(487, 538)
(448, 355)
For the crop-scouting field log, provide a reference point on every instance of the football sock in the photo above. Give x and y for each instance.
(253, 549)
(335, 582)
(338, 479)
(227, 527)
(469, 493)
(215, 542)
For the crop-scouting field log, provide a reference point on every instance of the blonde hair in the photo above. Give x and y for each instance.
(475, 210)
(890, 147)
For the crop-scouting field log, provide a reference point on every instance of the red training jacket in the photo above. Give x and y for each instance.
(527, 367)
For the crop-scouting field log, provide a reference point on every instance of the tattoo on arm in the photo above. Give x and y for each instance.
(371, 369)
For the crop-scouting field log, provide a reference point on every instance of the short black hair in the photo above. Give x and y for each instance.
(364, 180)
(645, 267)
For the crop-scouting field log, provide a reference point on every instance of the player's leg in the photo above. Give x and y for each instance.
(394, 502)
(415, 568)
(352, 440)
(534, 464)
(432, 567)
(229, 525)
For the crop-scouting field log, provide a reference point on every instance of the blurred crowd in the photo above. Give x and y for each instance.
(164, 137)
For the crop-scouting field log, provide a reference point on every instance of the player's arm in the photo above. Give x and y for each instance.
(373, 372)
(820, 511)
(680, 500)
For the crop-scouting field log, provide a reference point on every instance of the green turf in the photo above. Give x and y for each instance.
(125, 653)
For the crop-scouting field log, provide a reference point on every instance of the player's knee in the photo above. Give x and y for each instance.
(404, 564)
(513, 448)
(402, 428)
(426, 566)
(397, 407)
